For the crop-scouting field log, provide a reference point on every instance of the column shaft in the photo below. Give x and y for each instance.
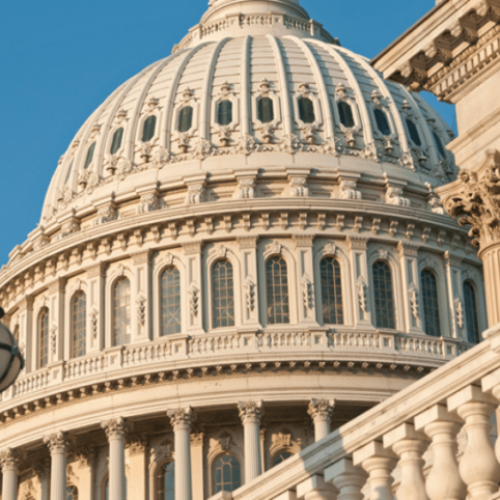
(9, 482)
(57, 446)
(250, 414)
(321, 411)
(115, 431)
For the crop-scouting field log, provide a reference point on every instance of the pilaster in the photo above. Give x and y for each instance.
(249, 280)
(305, 270)
(198, 480)
(136, 459)
(142, 268)
(193, 253)
(408, 258)
(454, 279)
(26, 332)
(56, 315)
(95, 307)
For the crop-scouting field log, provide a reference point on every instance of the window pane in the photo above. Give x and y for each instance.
(439, 145)
(306, 110)
(117, 141)
(345, 113)
(71, 493)
(223, 294)
(277, 291)
(170, 302)
(78, 325)
(265, 110)
(148, 131)
(225, 113)
(226, 474)
(431, 303)
(121, 312)
(382, 122)
(281, 457)
(165, 482)
(90, 156)
(471, 313)
(384, 303)
(185, 119)
(43, 338)
(415, 136)
(331, 291)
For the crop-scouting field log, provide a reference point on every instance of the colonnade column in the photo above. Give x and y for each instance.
(115, 431)
(181, 420)
(250, 414)
(9, 463)
(321, 411)
(57, 446)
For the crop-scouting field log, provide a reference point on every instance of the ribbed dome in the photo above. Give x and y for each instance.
(291, 97)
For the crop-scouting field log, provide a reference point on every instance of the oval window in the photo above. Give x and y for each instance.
(116, 144)
(265, 110)
(225, 113)
(345, 113)
(185, 118)
(382, 122)
(414, 135)
(306, 110)
(148, 130)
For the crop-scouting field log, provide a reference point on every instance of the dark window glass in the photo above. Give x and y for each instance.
(384, 302)
(78, 325)
(345, 113)
(90, 156)
(121, 312)
(382, 122)
(70, 169)
(170, 302)
(331, 291)
(281, 457)
(116, 144)
(223, 294)
(430, 303)
(414, 135)
(165, 482)
(471, 313)
(265, 110)
(225, 112)
(71, 493)
(148, 131)
(439, 145)
(227, 474)
(306, 110)
(278, 308)
(43, 338)
(185, 118)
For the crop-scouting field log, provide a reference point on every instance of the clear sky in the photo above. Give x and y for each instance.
(59, 59)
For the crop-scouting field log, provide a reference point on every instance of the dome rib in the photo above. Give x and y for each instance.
(245, 88)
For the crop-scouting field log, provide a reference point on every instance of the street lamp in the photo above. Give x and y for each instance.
(11, 361)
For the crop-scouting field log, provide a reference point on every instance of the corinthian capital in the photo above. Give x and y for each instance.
(321, 409)
(115, 428)
(9, 459)
(56, 442)
(250, 411)
(181, 416)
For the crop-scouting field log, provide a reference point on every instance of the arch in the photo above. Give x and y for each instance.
(223, 303)
(170, 297)
(121, 312)
(430, 300)
(165, 481)
(71, 492)
(384, 295)
(277, 290)
(78, 324)
(226, 473)
(331, 291)
(116, 142)
(148, 128)
(471, 313)
(43, 337)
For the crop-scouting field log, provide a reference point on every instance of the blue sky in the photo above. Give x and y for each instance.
(61, 58)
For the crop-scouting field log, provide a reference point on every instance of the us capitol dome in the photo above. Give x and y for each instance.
(240, 251)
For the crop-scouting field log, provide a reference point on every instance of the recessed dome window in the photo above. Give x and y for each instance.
(148, 131)
(185, 119)
(431, 303)
(439, 145)
(278, 300)
(43, 338)
(116, 143)
(471, 313)
(223, 294)
(90, 156)
(70, 169)
(78, 325)
(414, 135)
(382, 122)
(170, 302)
(265, 110)
(384, 301)
(121, 312)
(306, 110)
(345, 113)
(225, 112)
(331, 291)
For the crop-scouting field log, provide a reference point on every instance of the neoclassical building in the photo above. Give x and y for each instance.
(241, 250)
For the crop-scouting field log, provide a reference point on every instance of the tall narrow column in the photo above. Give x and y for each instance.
(9, 463)
(57, 447)
(250, 414)
(321, 411)
(181, 420)
(42, 471)
(115, 431)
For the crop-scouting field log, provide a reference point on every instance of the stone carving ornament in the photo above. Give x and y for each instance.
(115, 428)
(250, 410)
(56, 442)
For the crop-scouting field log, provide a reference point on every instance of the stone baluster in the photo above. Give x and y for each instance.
(491, 383)
(115, 431)
(250, 414)
(348, 480)
(9, 462)
(181, 420)
(321, 411)
(444, 481)
(316, 488)
(378, 462)
(409, 445)
(57, 446)
(478, 467)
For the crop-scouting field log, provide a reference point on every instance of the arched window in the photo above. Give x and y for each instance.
(223, 294)
(278, 304)
(121, 312)
(331, 291)
(414, 135)
(471, 313)
(78, 325)
(384, 302)
(90, 156)
(106, 490)
(225, 112)
(265, 109)
(306, 110)
(116, 143)
(345, 114)
(382, 122)
(226, 474)
(71, 493)
(43, 338)
(430, 303)
(185, 118)
(70, 169)
(281, 457)
(439, 145)
(170, 301)
(148, 130)
(165, 482)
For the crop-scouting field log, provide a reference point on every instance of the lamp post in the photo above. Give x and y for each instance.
(11, 361)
